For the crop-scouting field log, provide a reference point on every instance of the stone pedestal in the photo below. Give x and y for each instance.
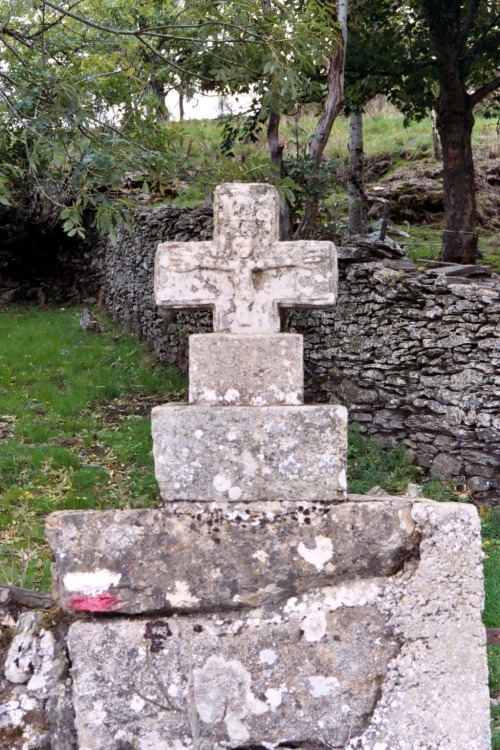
(248, 369)
(359, 630)
(269, 609)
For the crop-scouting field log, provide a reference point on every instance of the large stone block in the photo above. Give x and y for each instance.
(194, 558)
(234, 681)
(212, 453)
(395, 662)
(246, 369)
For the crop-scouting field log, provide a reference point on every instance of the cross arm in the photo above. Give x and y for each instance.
(302, 254)
(183, 257)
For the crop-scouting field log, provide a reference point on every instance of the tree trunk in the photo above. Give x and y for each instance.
(331, 108)
(454, 123)
(276, 154)
(181, 104)
(460, 218)
(437, 154)
(355, 191)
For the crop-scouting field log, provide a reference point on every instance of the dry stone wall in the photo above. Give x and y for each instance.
(413, 354)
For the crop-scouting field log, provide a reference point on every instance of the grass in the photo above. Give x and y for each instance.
(384, 135)
(74, 428)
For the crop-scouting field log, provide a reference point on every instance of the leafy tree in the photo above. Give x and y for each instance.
(83, 84)
(433, 54)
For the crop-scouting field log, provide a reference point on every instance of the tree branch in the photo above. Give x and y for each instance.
(154, 31)
(469, 23)
(483, 91)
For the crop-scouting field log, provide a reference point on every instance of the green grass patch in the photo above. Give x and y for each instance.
(370, 465)
(74, 428)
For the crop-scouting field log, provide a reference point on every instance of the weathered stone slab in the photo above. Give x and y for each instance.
(194, 559)
(396, 663)
(233, 680)
(245, 274)
(213, 453)
(246, 369)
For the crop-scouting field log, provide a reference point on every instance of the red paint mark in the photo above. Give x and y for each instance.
(98, 603)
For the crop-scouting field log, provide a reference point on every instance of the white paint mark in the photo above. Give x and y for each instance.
(222, 482)
(274, 698)
(320, 555)
(343, 480)
(314, 626)
(95, 582)
(231, 436)
(198, 434)
(181, 596)
(322, 686)
(231, 395)
(234, 493)
(268, 656)
(137, 704)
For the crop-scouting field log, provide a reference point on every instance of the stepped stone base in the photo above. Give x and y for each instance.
(246, 369)
(193, 558)
(390, 659)
(243, 453)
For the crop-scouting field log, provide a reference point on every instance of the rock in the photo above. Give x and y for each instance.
(88, 322)
(215, 453)
(273, 371)
(194, 558)
(373, 654)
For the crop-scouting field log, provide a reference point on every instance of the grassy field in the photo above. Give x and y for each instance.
(74, 428)
(75, 433)
(384, 133)
(386, 139)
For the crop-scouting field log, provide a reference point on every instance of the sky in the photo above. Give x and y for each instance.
(204, 107)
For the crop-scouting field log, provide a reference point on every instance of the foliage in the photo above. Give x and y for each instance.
(82, 90)
(74, 428)
(390, 51)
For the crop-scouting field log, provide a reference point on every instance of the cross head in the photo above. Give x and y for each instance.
(245, 274)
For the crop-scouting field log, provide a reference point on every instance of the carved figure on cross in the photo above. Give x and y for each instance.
(245, 274)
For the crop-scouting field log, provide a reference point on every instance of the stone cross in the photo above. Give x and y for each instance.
(245, 274)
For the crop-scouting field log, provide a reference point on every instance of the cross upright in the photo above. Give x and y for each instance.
(245, 274)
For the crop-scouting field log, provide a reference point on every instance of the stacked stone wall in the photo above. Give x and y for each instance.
(413, 354)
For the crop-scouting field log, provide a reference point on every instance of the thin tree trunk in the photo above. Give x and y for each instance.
(276, 154)
(437, 153)
(355, 188)
(181, 104)
(331, 108)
